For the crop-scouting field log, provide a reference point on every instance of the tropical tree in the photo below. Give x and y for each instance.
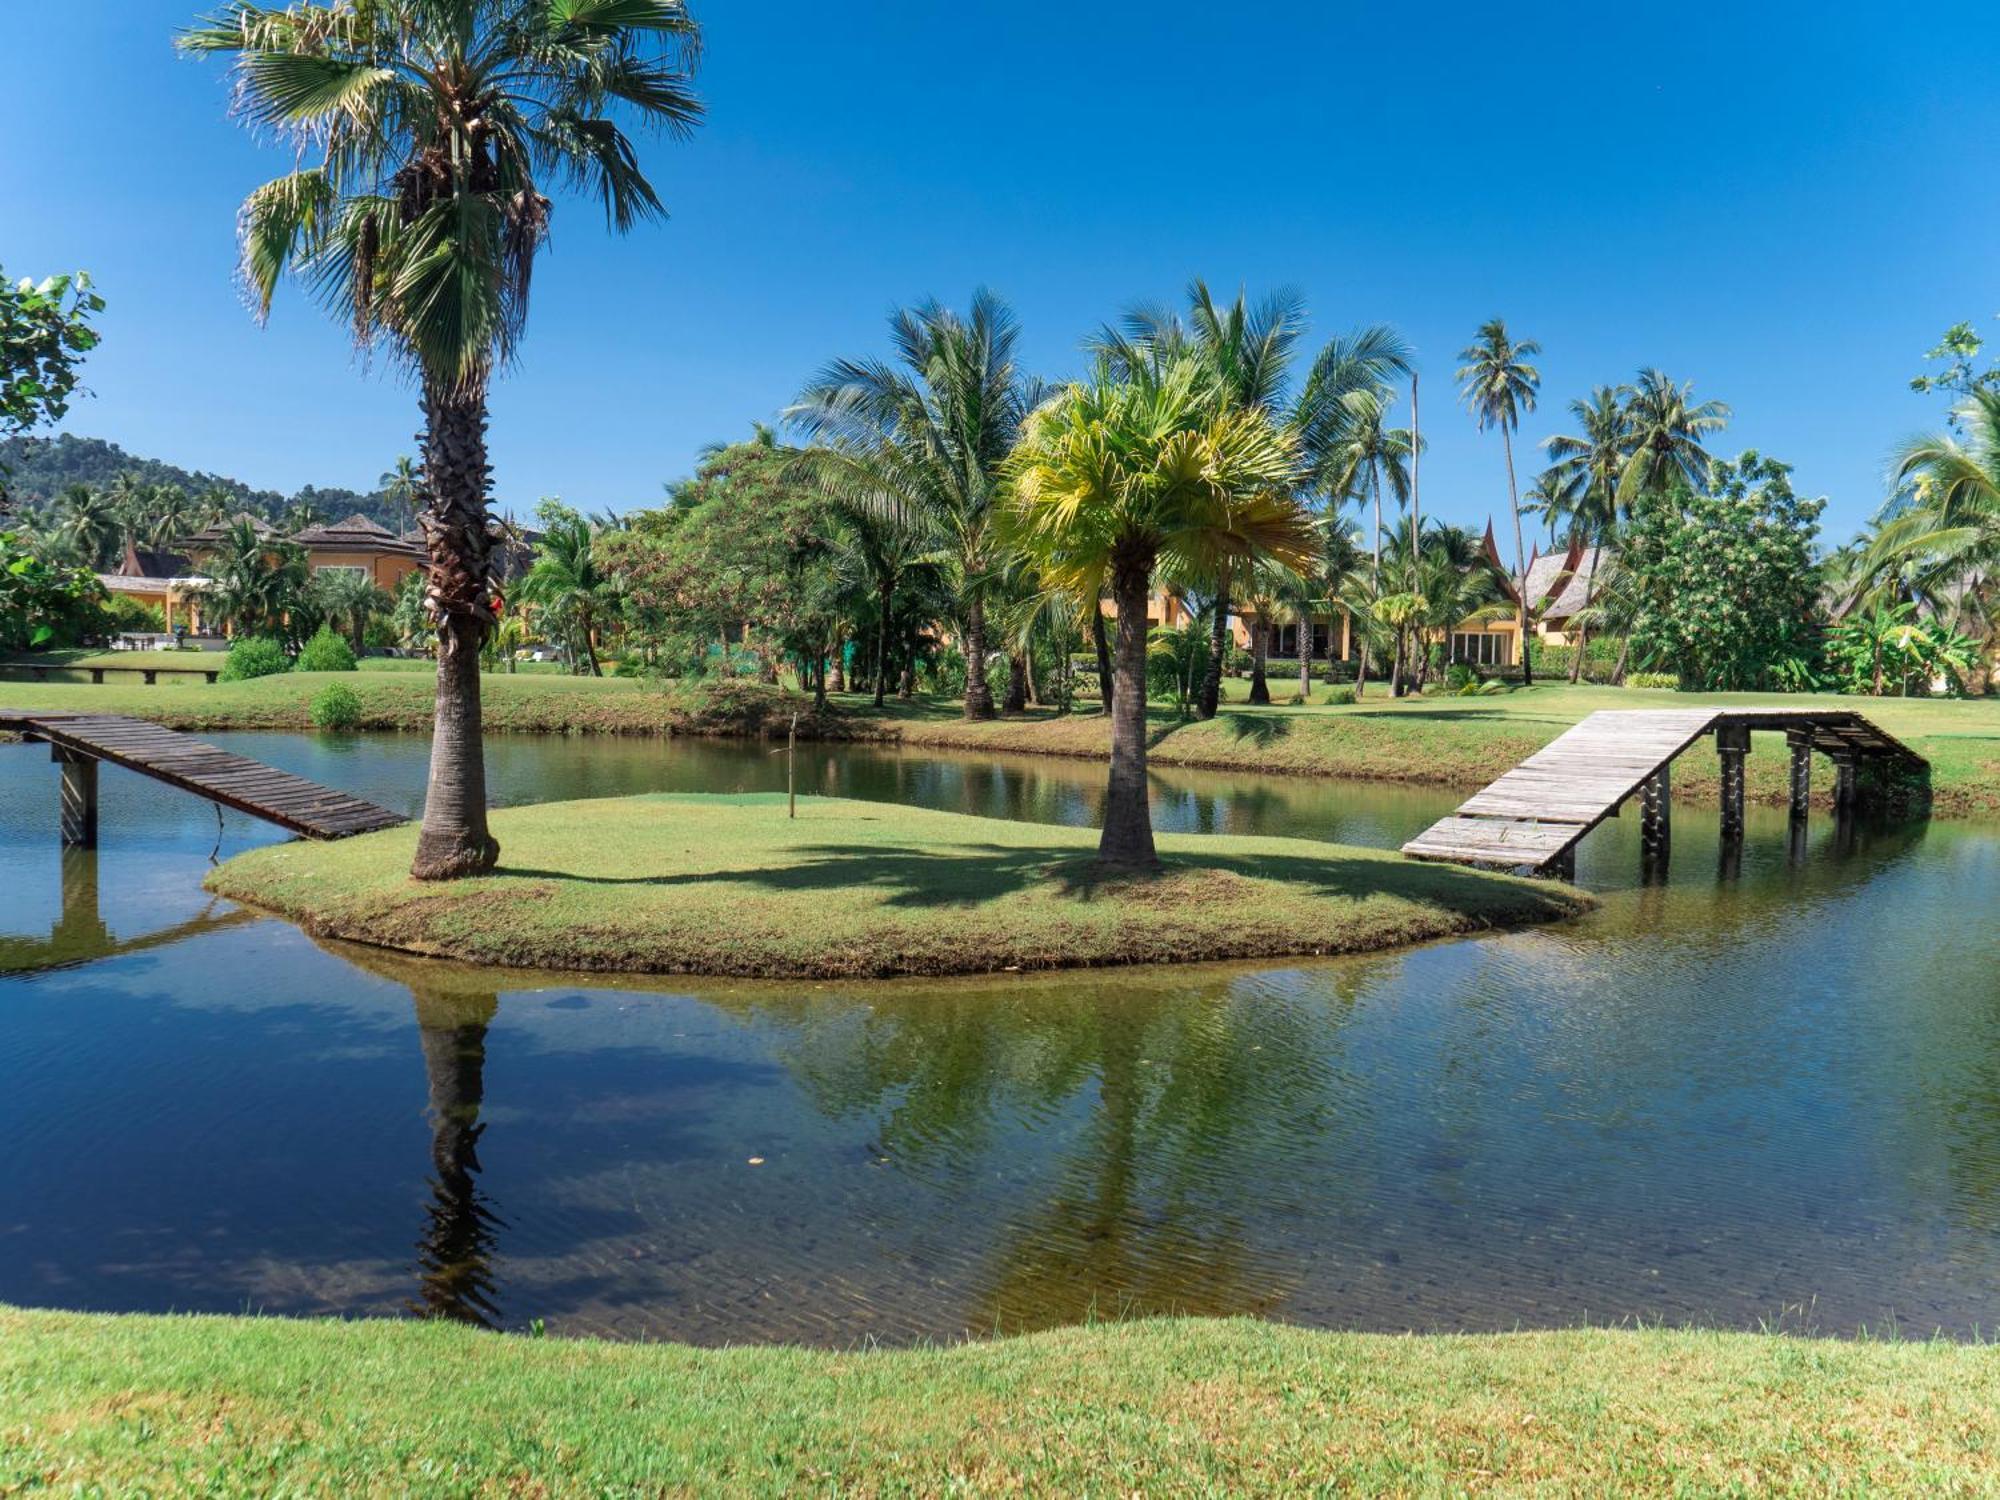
(1133, 470)
(425, 133)
(45, 330)
(575, 594)
(351, 598)
(1939, 536)
(402, 486)
(260, 585)
(1665, 430)
(1499, 388)
(928, 437)
(88, 525)
(1580, 485)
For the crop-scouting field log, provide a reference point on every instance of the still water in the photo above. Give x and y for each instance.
(1766, 1098)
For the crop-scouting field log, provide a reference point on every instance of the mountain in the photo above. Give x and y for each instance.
(38, 469)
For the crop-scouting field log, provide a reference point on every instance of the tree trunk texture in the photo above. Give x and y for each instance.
(1128, 821)
(1105, 684)
(459, 592)
(1260, 654)
(1306, 654)
(1361, 673)
(1016, 700)
(1576, 662)
(1520, 562)
(838, 672)
(1218, 639)
(978, 696)
(882, 643)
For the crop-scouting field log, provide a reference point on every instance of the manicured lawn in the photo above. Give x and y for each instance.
(124, 1405)
(730, 885)
(81, 659)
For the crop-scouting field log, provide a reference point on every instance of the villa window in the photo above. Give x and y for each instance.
(1481, 648)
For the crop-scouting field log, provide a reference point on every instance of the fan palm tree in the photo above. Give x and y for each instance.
(426, 132)
(1499, 388)
(350, 597)
(1133, 470)
(401, 487)
(1665, 427)
(929, 436)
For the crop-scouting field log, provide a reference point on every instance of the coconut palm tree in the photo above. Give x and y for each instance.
(1249, 350)
(1940, 532)
(1133, 470)
(402, 485)
(1499, 387)
(929, 436)
(87, 524)
(170, 518)
(1665, 427)
(1580, 485)
(351, 597)
(568, 584)
(426, 133)
(259, 585)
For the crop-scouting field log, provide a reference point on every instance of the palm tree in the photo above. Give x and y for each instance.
(1499, 389)
(87, 524)
(259, 585)
(1137, 469)
(350, 597)
(1940, 533)
(568, 584)
(401, 486)
(932, 434)
(1249, 351)
(1665, 427)
(170, 519)
(425, 131)
(1580, 485)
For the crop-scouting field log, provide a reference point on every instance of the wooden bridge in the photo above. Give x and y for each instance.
(78, 742)
(1534, 816)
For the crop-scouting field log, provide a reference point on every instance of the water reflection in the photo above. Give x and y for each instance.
(460, 1231)
(80, 934)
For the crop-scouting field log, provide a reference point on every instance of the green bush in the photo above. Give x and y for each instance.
(255, 656)
(1339, 696)
(1668, 680)
(326, 652)
(335, 706)
(123, 613)
(1461, 677)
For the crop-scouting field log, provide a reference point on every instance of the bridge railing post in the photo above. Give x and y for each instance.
(79, 797)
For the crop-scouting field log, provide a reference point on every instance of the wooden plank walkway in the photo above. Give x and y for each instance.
(180, 760)
(1535, 814)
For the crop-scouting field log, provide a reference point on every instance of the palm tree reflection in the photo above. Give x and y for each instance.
(455, 1254)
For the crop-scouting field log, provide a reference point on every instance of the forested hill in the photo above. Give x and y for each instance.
(42, 468)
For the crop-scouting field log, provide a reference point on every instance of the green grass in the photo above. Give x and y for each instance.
(79, 659)
(124, 1405)
(730, 885)
(1442, 741)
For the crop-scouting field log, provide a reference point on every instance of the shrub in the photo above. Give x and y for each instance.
(1669, 680)
(1339, 696)
(255, 656)
(123, 613)
(1460, 677)
(326, 652)
(335, 706)
(1493, 687)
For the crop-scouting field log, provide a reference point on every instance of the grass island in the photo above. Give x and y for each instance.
(729, 885)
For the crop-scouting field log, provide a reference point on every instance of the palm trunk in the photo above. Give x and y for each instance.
(1618, 668)
(888, 594)
(1128, 822)
(906, 689)
(1218, 642)
(590, 648)
(1016, 700)
(1396, 669)
(1097, 639)
(1361, 672)
(838, 684)
(1260, 690)
(458, 1242)
(1306, 652)
(1582, 645)
(459, 591)
(978, 696)
(1520, 561)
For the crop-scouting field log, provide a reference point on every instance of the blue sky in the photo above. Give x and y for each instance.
(1783, 203)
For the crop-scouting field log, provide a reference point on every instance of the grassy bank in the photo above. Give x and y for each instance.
(1453, 742)
(729, 885)
(234, 1406)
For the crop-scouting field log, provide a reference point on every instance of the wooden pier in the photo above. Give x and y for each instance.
(1534, 816)
(79, 742)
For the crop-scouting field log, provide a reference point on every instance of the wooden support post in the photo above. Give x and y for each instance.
(1732, 744)
(1800, 744)
(1563, 866)
(79, 797)
(1844, 786)
(1656, 816)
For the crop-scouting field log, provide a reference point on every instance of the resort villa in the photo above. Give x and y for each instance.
(172, 582)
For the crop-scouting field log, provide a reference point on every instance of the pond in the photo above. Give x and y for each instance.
(1763, 1098)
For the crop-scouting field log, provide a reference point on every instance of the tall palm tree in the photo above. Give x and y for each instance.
(1373, 454)
(425, 133)
(1249, 350)
(401, 487)
(931, 434)
(87, 524)
(1131, 471)
(1499, 389)
(170, 519)
(1665, 427)
(1581, 482)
